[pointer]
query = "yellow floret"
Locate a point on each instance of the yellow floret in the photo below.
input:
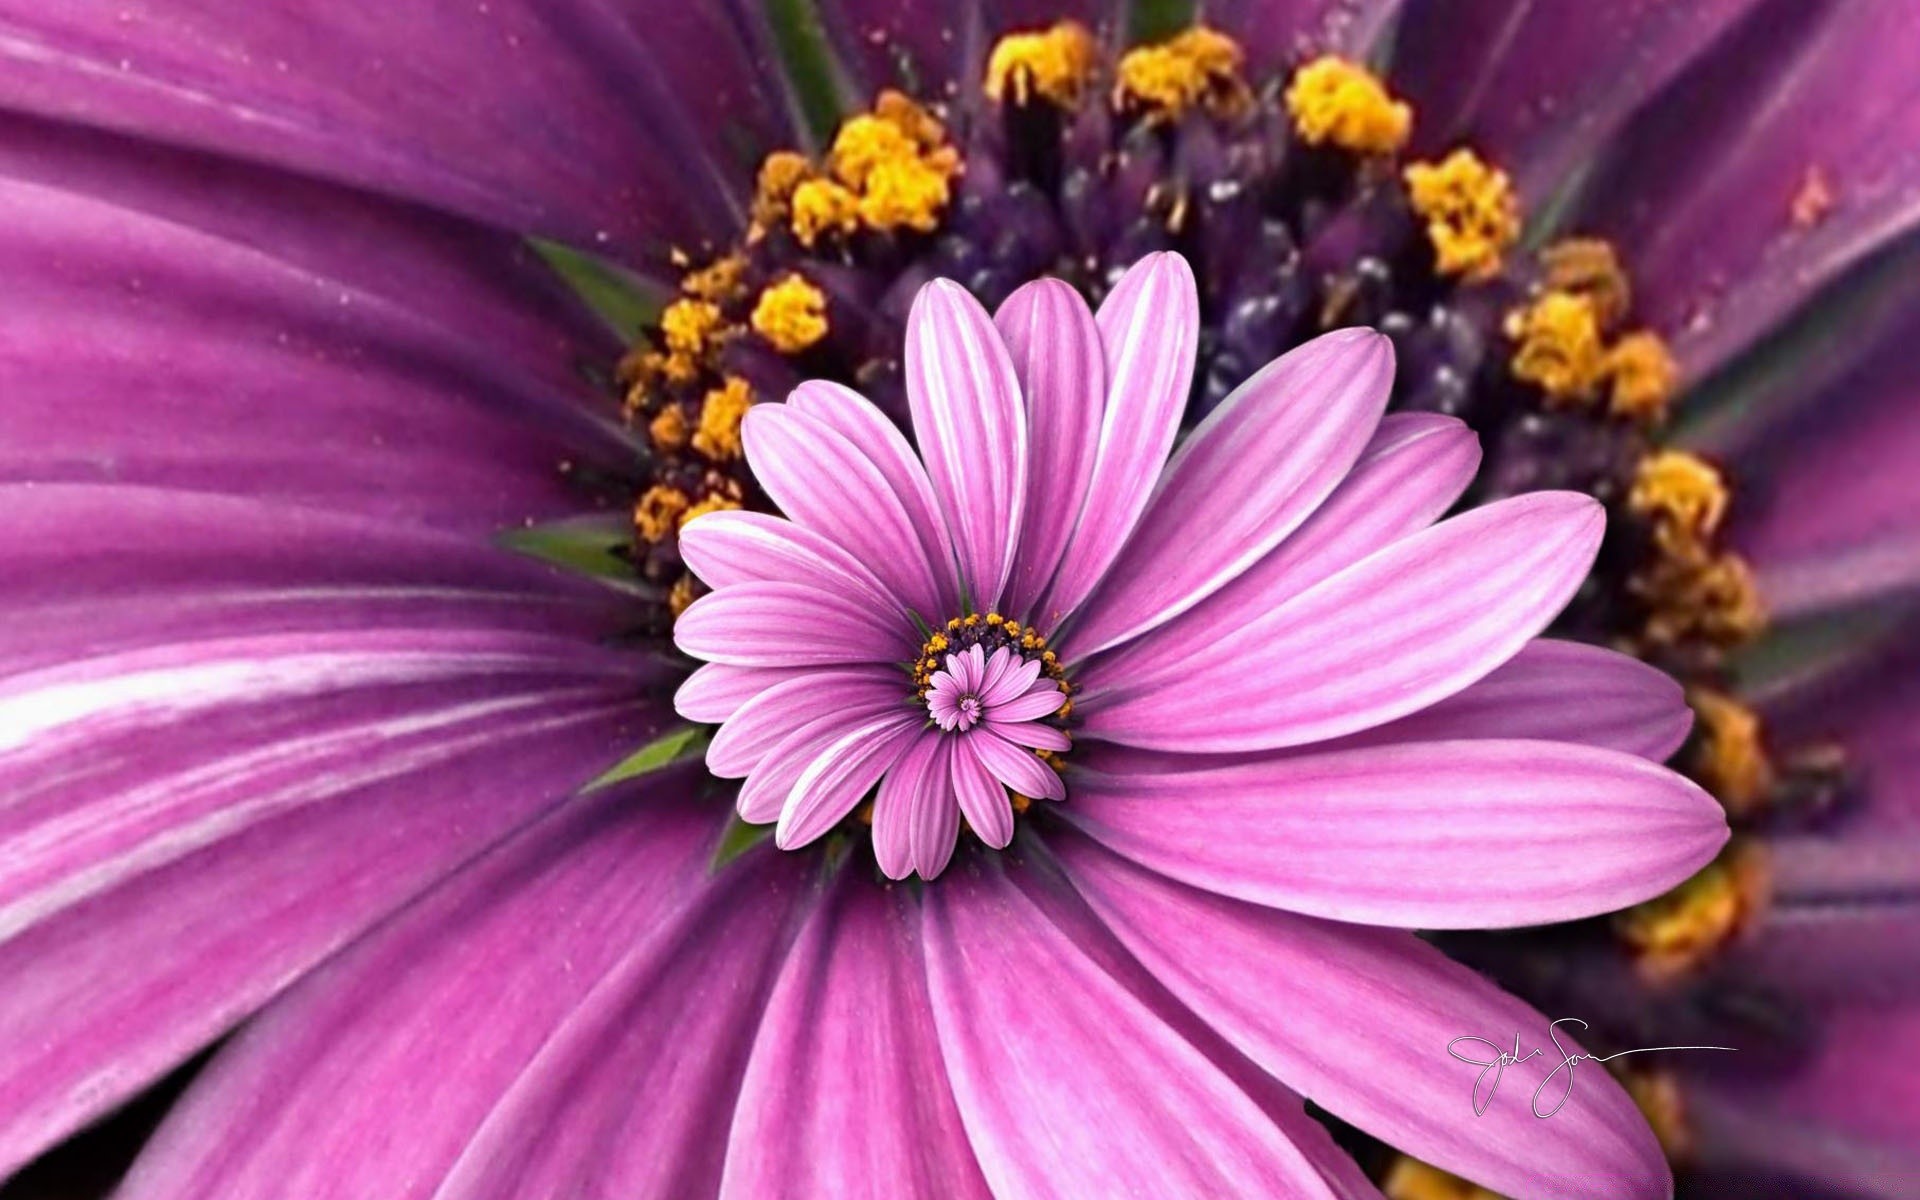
(1336, 103)
(1470, 213)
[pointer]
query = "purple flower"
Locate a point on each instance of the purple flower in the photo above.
(296, 760)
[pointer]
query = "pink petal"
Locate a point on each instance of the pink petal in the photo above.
(1243, 480)
(729, 548)
(1414, 470)
(983, 801)
(1434, 835)
(764, 795)
(841, 776)
(1015, 767)
(845, 1092)
(1013, 684)
(1062, 368)
(825, 482)
(369, 1080)
(1041, 700)
(933, 813)
(854, 417)
(1324, 1006)
(894, 805)
(1062, 1071)
(1032, 734)
(972, 431)
(764, 721)
(1555, 691)
(1404, 628)
(784, 625)
(1149, 327)
(716, 691)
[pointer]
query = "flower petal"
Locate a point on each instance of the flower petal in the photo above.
(972, 430)
(371, 1073)
(842, 775)
(716, 691)
(1149, 326)
(983, 800)
(845, 1092)
(1079, 1078)
(785, 625)
(1414, 470)
(1015, 767)
(896, 807)
(1434, 835)
(1360, 1020)
(727, 548)
(1243, 480)
(825, 482)
(1062, 369)
(1402, 629)
(765, 720)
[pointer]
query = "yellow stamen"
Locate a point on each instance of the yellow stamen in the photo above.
(685, 591)
(863, 143)
(720, 412)
(1053, 64)
(1198, 67)
(710, 504)
(780, 174)
(1589, 267)
(791, 315)
(1559, 348)
(1643, 375)
(1657, 1094)
(912, 119)
(668, 429)
(688, 327)
(1675, 933)
(1731, 758)
(1338, 103)
(1714, 603)
(908, 193)
(718, 280)
(1020, 803)
(822, 207)
(1411, 1179)
(657, 513)
(1470, 212)
(1683, 498)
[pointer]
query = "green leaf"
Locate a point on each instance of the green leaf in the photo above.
(583, 545)
(819, 86)
(1157, 20)
(675, 745)
(616, 295)
(739, 838)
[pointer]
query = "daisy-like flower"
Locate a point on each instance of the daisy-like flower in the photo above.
(298, 762)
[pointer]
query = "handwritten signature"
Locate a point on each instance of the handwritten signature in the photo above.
(1491, 1069)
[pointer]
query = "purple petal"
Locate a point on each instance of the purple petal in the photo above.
(1015, 767)
(1435, 835)
(826, 482)
(715, 692)
(370, 1079)
(1243, 480)
(1402, 629)
(845, 1090)
(785, 625)
(1062, 368)
(727, 548)
(1555, 691)
(1031, 734)
(1062, 1071)
(563, 119)
(1414, 470)
(900, 818)
(983, 801)
(836, 781)
(1322, 1006)
(1042, 700)
(853, 417)
(770, 716)
(764, 795)
(1149, 327)
(972, 430)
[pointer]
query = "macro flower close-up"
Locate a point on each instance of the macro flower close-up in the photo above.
(855, 597)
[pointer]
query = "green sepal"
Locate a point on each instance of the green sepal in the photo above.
(676, 745)
(582, 545)
(622, 299)
(739, 838)
(820, 87)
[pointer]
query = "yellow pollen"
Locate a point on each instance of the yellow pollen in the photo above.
(1559, 348)
(668, 429)
(688, 326)
(1020, 803)
(822, 207)
(657, 513)
(1657, 1094)
(1411, 1179)
(1643, 375)
(1672, 934)
(791, 315)
(1198, 67)
(1337, 103)
(911, 117)
(863, 143)
(908, 193)
(1053, 64)
(712, 503)
(1589, 267)
(1470, 211)
(718, 280)
(780, 174)
(1683, 498)
(1714, 602)
(1731, 757)
(720, 412)
(685, 591)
